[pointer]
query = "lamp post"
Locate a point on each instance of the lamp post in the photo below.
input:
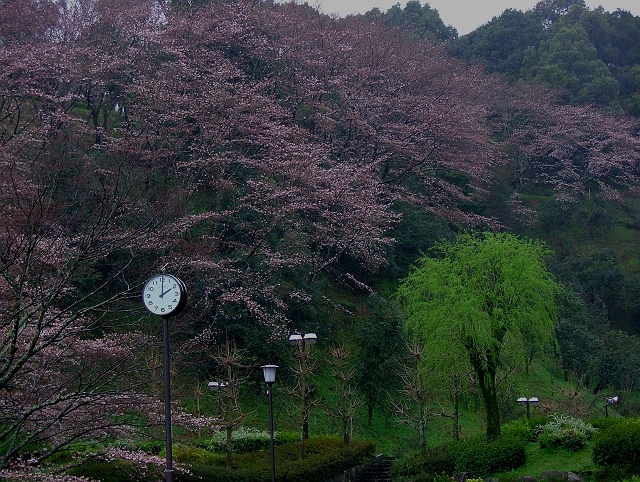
(528, 401)
(303, 342)
(218, 387)
(610, 401)
(269, 372)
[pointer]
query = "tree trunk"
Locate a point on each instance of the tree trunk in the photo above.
(345, 431)
(229, 447)
(456, 415)
(487, 379)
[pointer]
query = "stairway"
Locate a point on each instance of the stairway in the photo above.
(378, 471)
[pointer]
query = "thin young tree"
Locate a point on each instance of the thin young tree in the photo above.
(232, 362)
(411, 407)
(348, 401)
(302, 392)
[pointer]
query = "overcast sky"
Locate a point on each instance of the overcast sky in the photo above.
(464, 15)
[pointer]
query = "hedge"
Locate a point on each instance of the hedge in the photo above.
(618, 446)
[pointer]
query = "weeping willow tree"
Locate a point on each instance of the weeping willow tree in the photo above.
(477, 296)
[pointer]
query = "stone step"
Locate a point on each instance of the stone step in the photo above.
(378, 472)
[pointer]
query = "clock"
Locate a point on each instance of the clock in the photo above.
(164, 295)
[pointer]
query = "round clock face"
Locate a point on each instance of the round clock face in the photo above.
(164, 295)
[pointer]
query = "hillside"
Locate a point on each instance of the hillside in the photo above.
(289, 167)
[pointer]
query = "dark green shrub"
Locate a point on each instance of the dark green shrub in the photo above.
(151, 446)
(524, 429)
(619, 447)
(432, 478)
(120, 471)
(323, 458)
(607, 423)
(609, 474)
(474, 455)
(208, 473)
(245, 440)
(189, 454)
(481, 458)
(434, 460)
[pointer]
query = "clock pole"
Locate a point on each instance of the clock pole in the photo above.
(165, 295)
(167, 399)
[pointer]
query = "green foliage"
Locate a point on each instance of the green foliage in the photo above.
(619, 446)
(324, 457)
(421, 20)
(524, 429)
(120, 471)
(591, 53)
(183, 454)
(565, 432)
(379, 339)
(435, 460)
(479, 289)
(424, 477)
(482, 458)
(474, 455)
(483, 293)
(244, 440)
(502, 43)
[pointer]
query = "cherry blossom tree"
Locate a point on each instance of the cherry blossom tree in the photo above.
(579, 152)
(70, 363)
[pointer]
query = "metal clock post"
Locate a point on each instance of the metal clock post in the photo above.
(165, 295)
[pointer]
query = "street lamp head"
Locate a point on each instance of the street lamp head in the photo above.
(269, 372)
(217, 385)
(522, 400)
(534, 400)
(612, 400)
(310, 338)
(295, 339)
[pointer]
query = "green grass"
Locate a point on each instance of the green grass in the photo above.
(540, 460)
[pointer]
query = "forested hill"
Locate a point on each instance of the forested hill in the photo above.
(289, 167)
(593, 56)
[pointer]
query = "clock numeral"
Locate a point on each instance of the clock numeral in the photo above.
(174, 286)
(150, 302)
(170, 307)
(148, 295)
(150, 288)
(175, 301)
(162, 309)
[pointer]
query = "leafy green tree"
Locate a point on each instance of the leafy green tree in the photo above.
(619, 362)
(422, 21)
(577, 333)
(502, 43)
(550, 12)
(379, 339)
(570, 60)
(482, 294)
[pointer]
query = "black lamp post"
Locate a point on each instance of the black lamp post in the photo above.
(304, 343)
(528, 401)
(269, 372)
(218, 387)
(610, 401)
